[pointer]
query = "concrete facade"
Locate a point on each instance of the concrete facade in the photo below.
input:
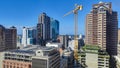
(1, 59)
(69, 56)
(46, 58)
(117, 58)
(2, 38)
(43, 29)
(8, 38)
(11, 38)
(63, 39)
(93, 58)
(102, 27)
(30, 57)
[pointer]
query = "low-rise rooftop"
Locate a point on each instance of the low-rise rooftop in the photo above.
(31, 49)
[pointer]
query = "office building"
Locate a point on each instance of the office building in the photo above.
(2, 38)
(7, 38)
(19, 40)
(102, 27)
(46, 58)
(43, 29)
(119, 36)
(63, 39)
(93, 57)
(31, 57)
(54, 29)
(11, 38)
(29, 36)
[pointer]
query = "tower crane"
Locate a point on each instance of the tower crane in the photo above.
(75, 12)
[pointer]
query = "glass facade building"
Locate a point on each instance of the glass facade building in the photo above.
(54, 29)
(29, 36)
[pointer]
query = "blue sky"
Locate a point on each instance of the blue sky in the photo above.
(25, 12)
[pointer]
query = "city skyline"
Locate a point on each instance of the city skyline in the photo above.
(56, 34)
(25, 13)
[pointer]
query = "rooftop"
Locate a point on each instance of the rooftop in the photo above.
(91, 47)
(31, 49)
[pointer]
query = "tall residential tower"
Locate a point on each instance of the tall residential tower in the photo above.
(43, 29)
(102, 27)
(2, 38)
(8, 37)
(11, 38)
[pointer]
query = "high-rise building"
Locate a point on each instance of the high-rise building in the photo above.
(2, 38)
(102, 27)
(29, 36)
(43, 29)
(11, 38)
(8, 38)
(54, 29)
(119, 36)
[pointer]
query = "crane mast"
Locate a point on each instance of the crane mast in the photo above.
(75, 11)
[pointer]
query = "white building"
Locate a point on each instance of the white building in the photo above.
(58, 45)
(46, 58)
(71, 43)
(19, 40)
(29, 36)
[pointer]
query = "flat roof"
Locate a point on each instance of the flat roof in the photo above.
(31, 49)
